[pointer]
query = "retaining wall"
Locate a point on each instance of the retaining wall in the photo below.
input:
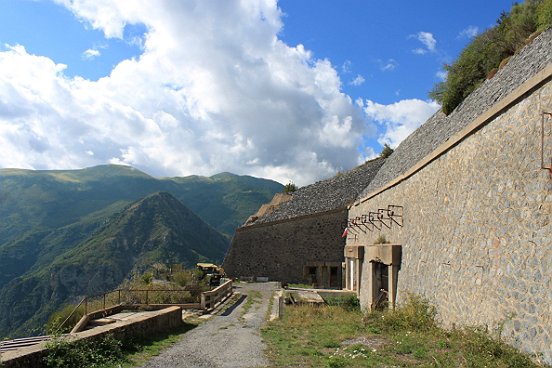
(477, 225)
(281, 249)
(154, 323)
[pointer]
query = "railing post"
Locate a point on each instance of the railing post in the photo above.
(86, 305)
(104, 301)
(119, 296)
(203, 301)
(147, 297)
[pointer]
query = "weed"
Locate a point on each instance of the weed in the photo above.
(252, 297)
(351, 302)
(381, 240)
(83, 353)
(334, 336)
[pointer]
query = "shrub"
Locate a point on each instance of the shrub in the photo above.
(53, 326)
(416, 314)
(183, 278)
(83, 353)
(544, 15)
(487, 50)
(381, 240)
(290, 188)
(386, 151)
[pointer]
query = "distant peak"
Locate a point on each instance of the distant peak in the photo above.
(224, 175)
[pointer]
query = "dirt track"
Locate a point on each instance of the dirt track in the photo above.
(231, 339)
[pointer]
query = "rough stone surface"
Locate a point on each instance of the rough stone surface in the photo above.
(439, 128)
(477, 226)
(281, 250)
(300, 232)
(336, 192)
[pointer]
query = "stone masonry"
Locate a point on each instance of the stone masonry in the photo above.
(299, 240)
(476, 231)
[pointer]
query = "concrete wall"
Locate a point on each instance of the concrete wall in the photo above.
(477, 227)
(280, 250)
(147, 326)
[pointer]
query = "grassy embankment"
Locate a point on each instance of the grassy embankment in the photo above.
(338, 336)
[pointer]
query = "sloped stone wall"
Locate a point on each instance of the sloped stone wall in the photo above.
(280, 250)
(477, 229)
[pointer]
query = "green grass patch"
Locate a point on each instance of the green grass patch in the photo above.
(337, 336)
(253, 297)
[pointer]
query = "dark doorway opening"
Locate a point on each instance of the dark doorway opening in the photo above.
(381, 280)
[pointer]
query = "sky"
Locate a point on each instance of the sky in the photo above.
(291, 90)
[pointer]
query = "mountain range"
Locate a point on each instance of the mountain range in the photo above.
(65, 234)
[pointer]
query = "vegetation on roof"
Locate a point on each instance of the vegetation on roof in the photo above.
(491, 50)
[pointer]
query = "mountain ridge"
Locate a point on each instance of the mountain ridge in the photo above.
(157, 228)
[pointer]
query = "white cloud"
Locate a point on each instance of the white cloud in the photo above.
(389, 65)
(213, 90)
(346, 67)
(469, 32)
(91, 54)
(358, 81)
(400, 118)
(427, 39)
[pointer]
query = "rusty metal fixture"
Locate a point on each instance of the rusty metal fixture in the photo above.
(543, 121)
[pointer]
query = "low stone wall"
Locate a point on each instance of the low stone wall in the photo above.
(476, 229)
(154, 323)
(281, 250)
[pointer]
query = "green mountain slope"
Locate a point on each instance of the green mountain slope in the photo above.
(156, 228)
(42, 200)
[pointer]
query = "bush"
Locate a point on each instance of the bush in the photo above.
(83, 353)
(544, 15)
(290, 188)
(386, 151)
(416, 314)
(487, 50)
(53, 326)
(349, 303)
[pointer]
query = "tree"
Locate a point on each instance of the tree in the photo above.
(290, 188)
(386, 151)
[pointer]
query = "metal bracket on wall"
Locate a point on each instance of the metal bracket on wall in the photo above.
(546, 144)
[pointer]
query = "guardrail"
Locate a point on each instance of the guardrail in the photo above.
(210, 299)
(146, 297)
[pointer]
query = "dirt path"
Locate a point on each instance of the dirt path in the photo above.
(231, 339)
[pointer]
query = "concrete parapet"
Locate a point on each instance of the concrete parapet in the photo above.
(143, 325)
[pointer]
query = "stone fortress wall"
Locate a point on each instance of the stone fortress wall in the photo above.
(284, 250)
(476, 230)
(298, 240)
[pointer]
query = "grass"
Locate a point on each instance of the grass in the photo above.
(334, 336)
(252, 298)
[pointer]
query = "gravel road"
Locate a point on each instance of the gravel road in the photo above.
(231, 339)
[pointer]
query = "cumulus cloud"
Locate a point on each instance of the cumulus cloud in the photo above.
(213, 90)
(469, 32)
(358, 81)
(400, 118)
(91, 54)
(427, 39)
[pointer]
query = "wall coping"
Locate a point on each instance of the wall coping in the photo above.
(532, 83)
(303, 217)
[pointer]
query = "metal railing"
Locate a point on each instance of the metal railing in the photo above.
(187, 298)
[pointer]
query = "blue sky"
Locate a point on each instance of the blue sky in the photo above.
(291, 90)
